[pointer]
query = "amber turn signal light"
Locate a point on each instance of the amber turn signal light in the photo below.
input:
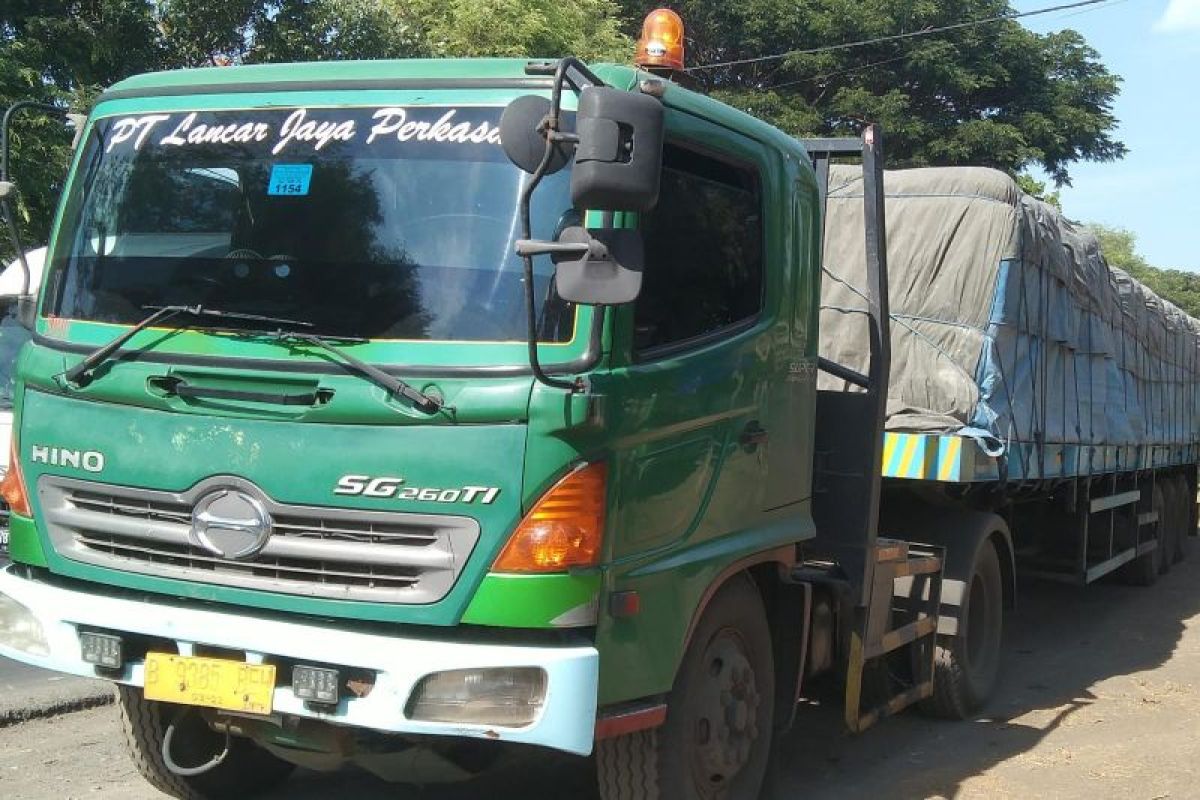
(661, 45)
(12, 488)
(563, 529)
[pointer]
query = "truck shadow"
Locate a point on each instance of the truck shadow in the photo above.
(1061, 644)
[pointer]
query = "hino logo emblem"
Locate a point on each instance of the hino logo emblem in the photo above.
(90, 460)
(231, 524)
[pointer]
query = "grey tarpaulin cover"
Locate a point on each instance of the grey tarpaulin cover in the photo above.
(1005, 317)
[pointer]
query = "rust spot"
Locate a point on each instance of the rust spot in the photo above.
(491, 734)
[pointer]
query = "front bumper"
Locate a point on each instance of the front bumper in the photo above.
(566, 721)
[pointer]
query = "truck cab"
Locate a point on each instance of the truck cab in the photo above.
(456, 549)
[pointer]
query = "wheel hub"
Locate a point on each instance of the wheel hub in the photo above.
(727, 713)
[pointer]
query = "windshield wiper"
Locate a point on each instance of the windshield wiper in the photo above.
(423, 401)
(80, 374)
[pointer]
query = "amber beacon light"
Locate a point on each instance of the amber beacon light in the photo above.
(661, 45)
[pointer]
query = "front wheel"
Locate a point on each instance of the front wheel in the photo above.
(717, 736)
(246, 770)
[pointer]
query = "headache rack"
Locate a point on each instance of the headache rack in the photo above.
(890, 589)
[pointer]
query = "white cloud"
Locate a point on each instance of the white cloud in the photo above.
(1180, 15)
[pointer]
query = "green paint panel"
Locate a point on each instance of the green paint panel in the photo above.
(24, 546)
(529, 601)
(292, 463)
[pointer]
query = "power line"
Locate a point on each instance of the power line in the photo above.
(814, 78)
(898, 36)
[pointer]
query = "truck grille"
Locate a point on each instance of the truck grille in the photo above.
(314, 551)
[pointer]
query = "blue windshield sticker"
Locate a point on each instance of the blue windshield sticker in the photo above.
(290, 179)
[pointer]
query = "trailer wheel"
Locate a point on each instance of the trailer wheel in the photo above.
(1184, 509)
(246, 771)
(967, 664)
(1144, 570)
(717, 736)
(1168, 523)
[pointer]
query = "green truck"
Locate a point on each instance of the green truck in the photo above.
(406, 413)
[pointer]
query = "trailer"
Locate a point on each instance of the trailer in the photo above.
(408, 414)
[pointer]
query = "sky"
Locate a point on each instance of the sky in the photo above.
(1155, 190)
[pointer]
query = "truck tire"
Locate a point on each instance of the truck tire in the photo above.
(1144, 570)
(717, 735)
(967, 664)
(1185, 508)
(1168, 523)
(246, 771)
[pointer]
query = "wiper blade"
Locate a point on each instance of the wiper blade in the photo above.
(423, 401)
(80, 374)
(201, 311)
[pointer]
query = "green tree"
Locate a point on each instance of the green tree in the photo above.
(66, 51)
(1119, 246)
(60, 52)
(994, 95)
(1032, 186)
(590, 29)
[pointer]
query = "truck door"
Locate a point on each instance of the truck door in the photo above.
(694, 461)
(791, 396)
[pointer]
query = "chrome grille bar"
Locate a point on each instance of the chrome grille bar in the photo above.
(313, 551)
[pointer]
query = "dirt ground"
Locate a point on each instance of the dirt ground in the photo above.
(1100, 699)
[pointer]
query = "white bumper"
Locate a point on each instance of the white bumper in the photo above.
(566, 722)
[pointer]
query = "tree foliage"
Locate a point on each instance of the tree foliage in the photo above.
(66, 51)
(994, 95)
(1032, 186)
(1119, 246)
(589, 29)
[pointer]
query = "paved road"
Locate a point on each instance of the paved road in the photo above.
(1100, 699)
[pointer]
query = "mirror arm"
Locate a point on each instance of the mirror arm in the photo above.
(551, 131)
(537, 247)
(8, 116)
(9, 219)
(15, 235)
(561, 66)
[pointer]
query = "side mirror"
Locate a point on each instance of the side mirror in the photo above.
(523, 136)
(619, 156)
(593, 267)
(608, 273)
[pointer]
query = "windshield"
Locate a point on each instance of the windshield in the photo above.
(378, 223)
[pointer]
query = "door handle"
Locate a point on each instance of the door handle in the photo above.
(753, 434)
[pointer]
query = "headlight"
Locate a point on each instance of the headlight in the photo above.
(508, 697)
(20, 629)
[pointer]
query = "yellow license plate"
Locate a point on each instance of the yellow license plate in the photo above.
(210, 682)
